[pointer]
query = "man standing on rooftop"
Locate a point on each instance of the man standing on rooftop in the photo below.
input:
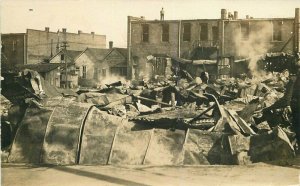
(162, 14)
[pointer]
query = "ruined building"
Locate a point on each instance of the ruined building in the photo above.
(221, 41)
(36, 46)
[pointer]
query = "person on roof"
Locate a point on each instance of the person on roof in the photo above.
(162, 14)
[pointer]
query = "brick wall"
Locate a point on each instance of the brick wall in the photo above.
(155, 44)
(39, 43)
(13, 49)
(186, 47)
(260, 39)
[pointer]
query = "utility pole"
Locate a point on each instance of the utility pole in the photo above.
(51, 48)
(64, 46)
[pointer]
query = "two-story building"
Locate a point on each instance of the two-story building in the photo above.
(36, 46)
(223, 40)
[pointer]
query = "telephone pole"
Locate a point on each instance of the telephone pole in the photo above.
(64, 46)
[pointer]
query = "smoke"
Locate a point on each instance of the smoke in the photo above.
(111, 79)
(256, 45)
(101, 81)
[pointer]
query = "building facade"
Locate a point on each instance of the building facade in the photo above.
(94, 66)
(115, 62)
(51, 72)
(87, 66)
(36, 46)
(67, 59)
(13, 49)
(225, 40)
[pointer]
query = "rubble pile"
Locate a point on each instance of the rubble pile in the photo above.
(179, 120)
(230, 107)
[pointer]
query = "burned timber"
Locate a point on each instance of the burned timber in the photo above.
(200, 106)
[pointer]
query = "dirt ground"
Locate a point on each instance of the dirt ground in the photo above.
(285, 172)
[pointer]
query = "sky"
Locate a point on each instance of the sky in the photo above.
(109, 17)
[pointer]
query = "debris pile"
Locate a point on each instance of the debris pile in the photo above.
(253, 116)
(176, 120)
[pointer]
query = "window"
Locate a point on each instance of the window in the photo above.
(62, 57)
(204, 32)
(145, 36)
(103, 72)
(165, 33)
(277, 28)
(95, 73)
(215, 33)
(77, 70)
(159, 66)
(99, 72)
(84, 72)
(52, 79)
(245, 30)
(186, 32)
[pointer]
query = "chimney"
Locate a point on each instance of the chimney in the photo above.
(64, 30)
(235, 14)
(247, 16)
(93, 33)
(47, 29)
(111, 44)
(79, 32)
(223, 14)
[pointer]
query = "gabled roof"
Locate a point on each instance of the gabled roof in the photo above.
(98, 54)
(122, 51)
(72, 54)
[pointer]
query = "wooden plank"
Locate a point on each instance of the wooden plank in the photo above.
(241, 123)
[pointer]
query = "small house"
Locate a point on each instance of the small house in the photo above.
(96, 65)
(51, 72)
(67, 57)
